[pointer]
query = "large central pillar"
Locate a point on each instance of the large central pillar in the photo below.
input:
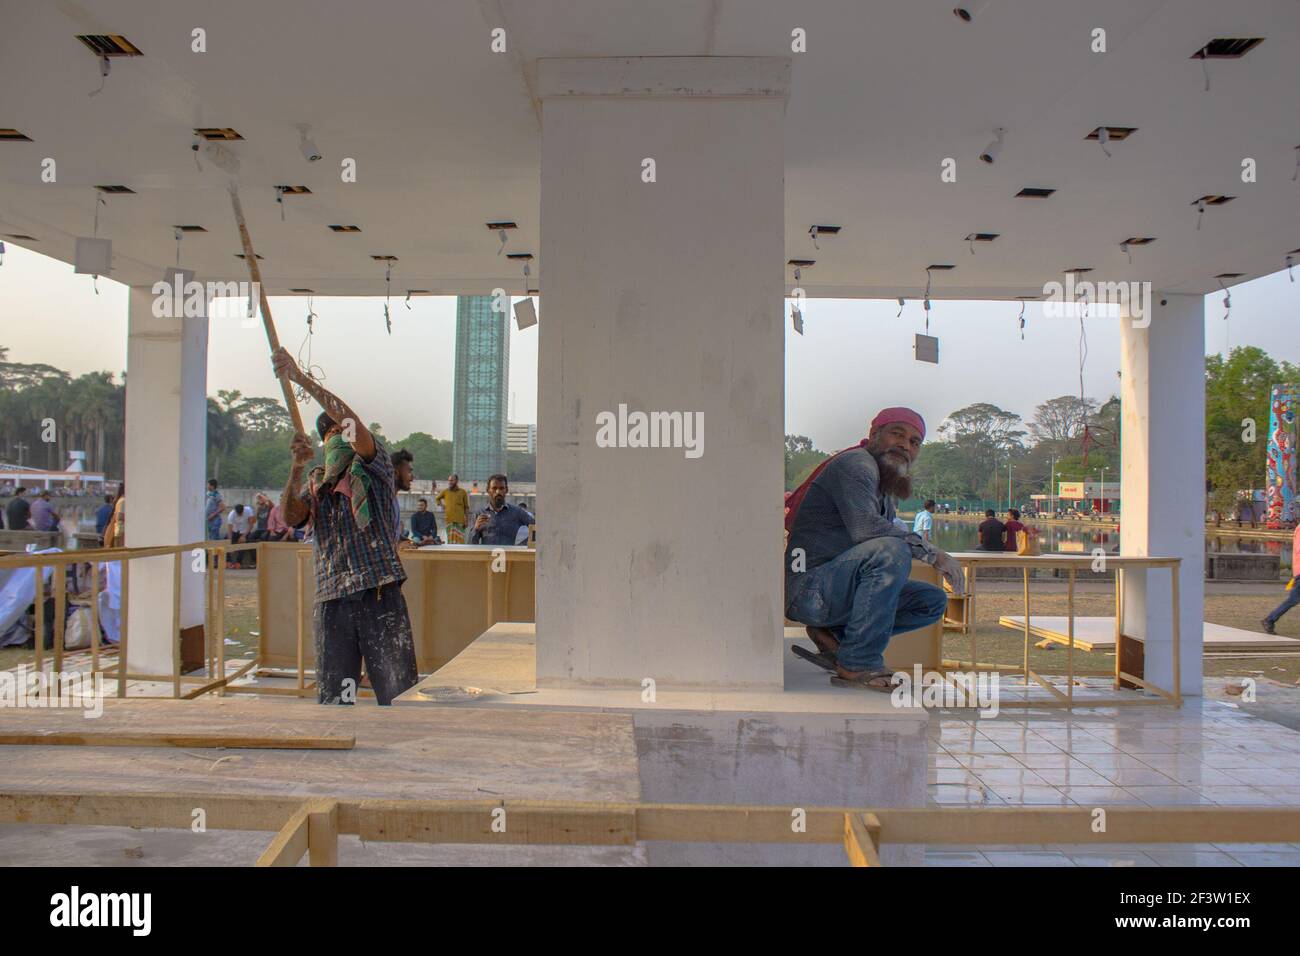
(1162, 490)
(662, 270)
(166, 453)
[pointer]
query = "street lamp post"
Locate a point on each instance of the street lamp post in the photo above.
(1103, 491)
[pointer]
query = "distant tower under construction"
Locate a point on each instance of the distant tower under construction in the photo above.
(479, 412)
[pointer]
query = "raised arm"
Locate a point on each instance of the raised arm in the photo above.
(356, 434)
(293, 510)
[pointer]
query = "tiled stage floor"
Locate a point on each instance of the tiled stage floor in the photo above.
(1207, 754)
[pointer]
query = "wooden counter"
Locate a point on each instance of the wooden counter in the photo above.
(454, 593)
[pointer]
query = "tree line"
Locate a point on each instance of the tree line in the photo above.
(248, 436)
(978, 446)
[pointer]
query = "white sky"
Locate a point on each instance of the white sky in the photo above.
(855, 356)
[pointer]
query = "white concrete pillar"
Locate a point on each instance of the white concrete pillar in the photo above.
(662, 296)
(166, 454)
(1162, 388)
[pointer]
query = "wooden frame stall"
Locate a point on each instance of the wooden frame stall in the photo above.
(450, 601)
(312, 825)
(1127, 649)
(453, 594)
(212, 554)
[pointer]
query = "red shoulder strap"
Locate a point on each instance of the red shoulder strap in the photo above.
(794, 499)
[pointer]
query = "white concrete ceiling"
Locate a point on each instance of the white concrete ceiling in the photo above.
(445, 134)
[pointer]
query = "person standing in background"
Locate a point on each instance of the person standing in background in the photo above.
(1292, 589)
(102, 516)
(212, 511)
(923, 525)
(455, 503)
(115, 530)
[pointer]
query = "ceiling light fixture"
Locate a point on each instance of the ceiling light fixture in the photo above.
(969, 11)
(310, 151)
(991, 151)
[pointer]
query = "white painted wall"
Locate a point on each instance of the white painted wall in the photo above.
(166, 452)
(665, 296)
(1162, 387)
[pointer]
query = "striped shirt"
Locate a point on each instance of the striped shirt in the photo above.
(349, 559)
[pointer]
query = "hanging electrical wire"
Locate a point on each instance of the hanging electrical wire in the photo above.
(99, 201)
(1022, 321)
(927, 301)
(314, 372)
(388, 292)
(901, 303)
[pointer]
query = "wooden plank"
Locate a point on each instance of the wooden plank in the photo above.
(60, 624)
(220, 636)
(124, 617)
(860, 842)
(1056, 692)
(302, 622)
(323, 833)
(39, 643)
(159, 739)
(94, 616)
(163, 810)
(1177, 636)
(288, 846)
(176, 625)
(542, 822)
(494, 822)
(220, 682)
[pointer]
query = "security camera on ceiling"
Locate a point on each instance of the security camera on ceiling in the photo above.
(990, 153)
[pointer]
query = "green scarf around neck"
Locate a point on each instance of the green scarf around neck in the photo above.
(340, 459)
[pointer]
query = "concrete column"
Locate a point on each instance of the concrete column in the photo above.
(661, 296)
(1162, 489)
(166, 454)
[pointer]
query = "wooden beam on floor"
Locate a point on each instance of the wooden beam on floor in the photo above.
(323, 833)
(289, 845)
(219, 683)
(161, 810)
(462, 821)
(116, 738)
(862, 839)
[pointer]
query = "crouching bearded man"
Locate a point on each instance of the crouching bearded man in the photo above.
(847, 560)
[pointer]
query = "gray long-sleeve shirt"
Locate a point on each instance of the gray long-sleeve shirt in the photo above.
(843, 507)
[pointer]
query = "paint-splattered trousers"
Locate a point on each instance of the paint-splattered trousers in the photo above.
(372, 626)
(864, 598)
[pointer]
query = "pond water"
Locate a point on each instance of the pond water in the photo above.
(962, 536)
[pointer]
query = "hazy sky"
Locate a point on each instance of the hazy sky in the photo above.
(855, 355)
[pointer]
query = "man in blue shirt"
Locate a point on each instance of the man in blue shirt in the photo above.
(104, 512)
(498, 524)
(212, 511)
(923, 525)
(847, 562)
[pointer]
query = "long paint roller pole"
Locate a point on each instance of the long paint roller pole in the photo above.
(267, 322)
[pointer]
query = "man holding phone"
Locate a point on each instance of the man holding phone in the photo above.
(499, 523)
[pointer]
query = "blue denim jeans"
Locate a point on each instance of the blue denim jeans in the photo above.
(864, 598)
(1291, 600)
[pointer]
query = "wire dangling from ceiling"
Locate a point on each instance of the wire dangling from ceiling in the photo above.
(388, 292)
(1022, 321)
(927, 301)
(313, 372)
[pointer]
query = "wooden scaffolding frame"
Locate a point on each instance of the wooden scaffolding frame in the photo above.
(312, 825)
